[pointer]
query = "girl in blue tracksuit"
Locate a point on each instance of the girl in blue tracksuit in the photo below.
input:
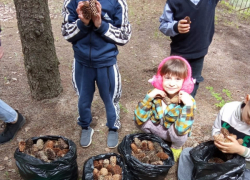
(95, 49)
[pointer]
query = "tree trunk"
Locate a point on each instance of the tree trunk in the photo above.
(40, 60)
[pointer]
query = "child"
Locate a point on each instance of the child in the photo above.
(168, 110)
(190, 41)
(95, 43)
(234, 116)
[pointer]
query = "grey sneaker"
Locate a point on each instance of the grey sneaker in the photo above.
(112, 139)
(86, 137)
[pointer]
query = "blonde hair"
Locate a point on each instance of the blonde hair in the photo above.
(175, 67)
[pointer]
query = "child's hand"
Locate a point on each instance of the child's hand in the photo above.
(157, 93)
(183, 27)
(231, 147)
(185, 98)
(80, 14)
(97, 19)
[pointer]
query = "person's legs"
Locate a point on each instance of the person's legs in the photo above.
(177, 141)
(156, 129)
(246, 174)
(185, 166)
(84, 83)
(196, 66)
(109, 85)
(7, 113)
(14, 121)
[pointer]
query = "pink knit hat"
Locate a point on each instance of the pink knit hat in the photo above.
(188, 84)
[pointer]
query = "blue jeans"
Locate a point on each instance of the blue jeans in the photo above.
(185, 167)
(7, 113)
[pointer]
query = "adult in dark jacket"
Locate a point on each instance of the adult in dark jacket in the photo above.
(95, 43)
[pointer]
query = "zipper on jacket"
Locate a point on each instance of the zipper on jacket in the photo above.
(90, 45)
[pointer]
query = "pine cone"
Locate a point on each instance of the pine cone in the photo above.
(158, 147)
(162, 155)
(150, 146)
(50, 153)
(157, 163)
(215, 160)
(93, 7)
(113, 160)
(188, 19)
(62, 144)
(29, 143)
(86, 10)
(34, 150)
(144, 145)
(95, 174)
(117, 177)
(240, 141)
(134, 148)
(49, 144)
(40, 144)
(104, 171)
(62, 153)
(224, 131)
(41, 155)
(97, 165)
(105, 163)
(22, 146)
(219, 137)
(233, 136)
(137, 142)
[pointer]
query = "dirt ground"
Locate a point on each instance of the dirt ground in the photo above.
(226, 66)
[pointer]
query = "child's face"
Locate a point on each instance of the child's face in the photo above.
(246, 113)
(172, 84)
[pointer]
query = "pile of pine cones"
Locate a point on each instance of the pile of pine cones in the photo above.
(47, 151)
(89, 9)
(107, 169)
(148, 152)
(222, 137)
(215, 160)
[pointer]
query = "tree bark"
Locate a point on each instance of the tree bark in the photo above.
(40, 60)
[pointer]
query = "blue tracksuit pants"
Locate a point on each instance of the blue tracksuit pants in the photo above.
(108, 81)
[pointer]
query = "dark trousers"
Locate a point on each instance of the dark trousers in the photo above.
(196, 66)
(108, 81)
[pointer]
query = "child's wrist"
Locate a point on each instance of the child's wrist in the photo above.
(242, 151)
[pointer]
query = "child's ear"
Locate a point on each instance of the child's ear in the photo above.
(247, 98)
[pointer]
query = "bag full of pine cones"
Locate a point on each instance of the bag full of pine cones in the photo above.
(147, 156)
(47, 157)
(106, 167)
(211, 163)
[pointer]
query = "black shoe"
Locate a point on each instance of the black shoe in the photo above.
(11, 129)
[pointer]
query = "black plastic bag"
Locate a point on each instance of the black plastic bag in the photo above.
(230, 169)
(144, 171)
(89, 166)
(64, 168)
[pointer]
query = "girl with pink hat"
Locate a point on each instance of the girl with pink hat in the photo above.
(168, 110)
